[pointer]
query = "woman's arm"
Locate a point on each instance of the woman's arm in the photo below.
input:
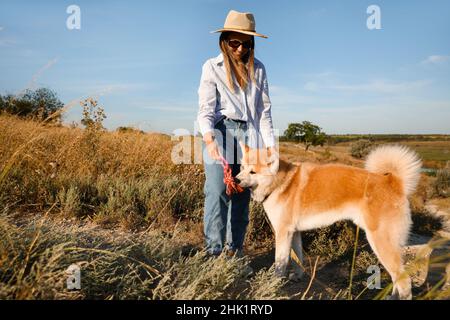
(207, 102)
(265, 122)
(207, 105)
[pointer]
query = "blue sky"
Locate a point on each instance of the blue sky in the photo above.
(143, 59)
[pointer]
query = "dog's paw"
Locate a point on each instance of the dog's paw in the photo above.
(280, 271)
(295, 276)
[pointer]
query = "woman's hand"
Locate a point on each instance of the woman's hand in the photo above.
(213, 150)
(211, 146)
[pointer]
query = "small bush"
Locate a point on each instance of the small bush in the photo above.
(129, 130)
(266, 286)
(441, 185)
(259, 229)
(70, 201)
(361, 148)
(330, 242)
(365, 259)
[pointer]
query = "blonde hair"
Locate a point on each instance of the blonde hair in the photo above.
(240, 68)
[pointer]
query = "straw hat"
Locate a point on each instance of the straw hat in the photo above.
(240, 22)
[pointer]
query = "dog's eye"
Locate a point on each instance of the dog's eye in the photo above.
(252, 172)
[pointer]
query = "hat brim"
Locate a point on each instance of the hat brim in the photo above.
(241, 31)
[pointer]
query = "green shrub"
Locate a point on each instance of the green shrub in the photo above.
(441, 185)
(259, 229)
(361, 148)
(70, 201)
(330, 242)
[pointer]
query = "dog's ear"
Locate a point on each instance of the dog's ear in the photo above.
(245, 148)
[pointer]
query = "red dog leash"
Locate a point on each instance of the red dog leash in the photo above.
(228, 179)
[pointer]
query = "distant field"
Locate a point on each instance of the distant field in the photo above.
(389, 137)
(432, 150)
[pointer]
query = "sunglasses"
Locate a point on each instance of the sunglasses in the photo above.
(236, 44)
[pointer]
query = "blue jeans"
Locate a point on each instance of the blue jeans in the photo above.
(226, 217)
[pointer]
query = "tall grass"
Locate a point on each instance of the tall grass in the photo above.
(35, 256)
(125, 178)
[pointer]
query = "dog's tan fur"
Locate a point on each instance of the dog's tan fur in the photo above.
(307, 196)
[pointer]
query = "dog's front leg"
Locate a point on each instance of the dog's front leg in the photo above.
(283, 241)
(297, 266)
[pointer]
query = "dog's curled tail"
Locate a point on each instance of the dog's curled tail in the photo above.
(398, 160)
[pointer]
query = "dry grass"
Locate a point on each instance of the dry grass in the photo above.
(125, 178)
(35, 255)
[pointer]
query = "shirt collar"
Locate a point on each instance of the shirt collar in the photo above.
(219, 58)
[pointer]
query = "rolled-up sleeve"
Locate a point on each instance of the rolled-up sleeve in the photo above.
(265, 122)
(207, 99)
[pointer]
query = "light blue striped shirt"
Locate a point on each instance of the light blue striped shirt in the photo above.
(251, 105)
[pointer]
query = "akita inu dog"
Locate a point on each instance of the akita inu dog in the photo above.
(307, 196)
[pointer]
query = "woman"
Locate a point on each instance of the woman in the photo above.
(234, 106)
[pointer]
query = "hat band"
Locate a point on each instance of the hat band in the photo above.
(238, 28)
